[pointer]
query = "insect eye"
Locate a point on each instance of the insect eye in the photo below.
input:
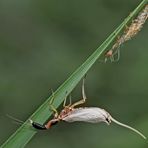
(70, 109)
(107, 119)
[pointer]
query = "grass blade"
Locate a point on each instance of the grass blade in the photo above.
(24, 134)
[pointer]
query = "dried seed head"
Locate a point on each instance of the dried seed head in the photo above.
(134, 28)
(136, 24)
(130, 31)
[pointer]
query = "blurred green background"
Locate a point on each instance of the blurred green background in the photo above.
(43, 42)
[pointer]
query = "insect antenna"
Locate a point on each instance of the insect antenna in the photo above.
(15, 120)
(127, 126)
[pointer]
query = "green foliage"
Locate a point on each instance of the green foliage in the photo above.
(24, 134)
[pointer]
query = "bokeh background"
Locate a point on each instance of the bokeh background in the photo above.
(43, 42)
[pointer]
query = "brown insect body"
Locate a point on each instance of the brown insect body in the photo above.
(65, 112)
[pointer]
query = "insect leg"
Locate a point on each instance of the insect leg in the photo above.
(64, 103)
(83, 95)
(52, 108)
(117, 55)
(112, 58)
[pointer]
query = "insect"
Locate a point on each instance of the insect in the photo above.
(72, 113)
(112, 55)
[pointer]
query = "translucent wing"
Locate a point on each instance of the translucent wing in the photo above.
(88, 114)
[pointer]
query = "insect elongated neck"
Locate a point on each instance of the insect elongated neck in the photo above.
(127, 126)
(51, 123)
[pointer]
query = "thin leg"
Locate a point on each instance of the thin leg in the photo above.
(52, 98)
(64, 103)
(70, 102)
(52, 108)
(117, 54)
(112, 58)
(65, 99)
(104, 60)
(83, 95)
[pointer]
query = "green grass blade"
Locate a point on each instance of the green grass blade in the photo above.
(24, 134)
